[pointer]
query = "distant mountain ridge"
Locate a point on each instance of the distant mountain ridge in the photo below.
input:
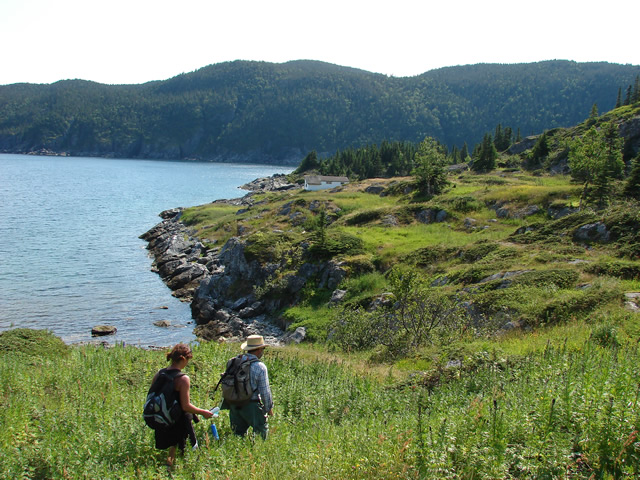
(275, 113)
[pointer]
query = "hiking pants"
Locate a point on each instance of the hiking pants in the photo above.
(250, 415)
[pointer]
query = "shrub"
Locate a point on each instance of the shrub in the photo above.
(477, 251)
(465, 204)
(366, 216)
(555, 231)
(475, 273)
(584, 302)
(560, 278)
(624, 226)
(605, 336)
(430, 255)
(355, 329)
(359, 265)
(620, 269)
(268, 247)
(336, 243)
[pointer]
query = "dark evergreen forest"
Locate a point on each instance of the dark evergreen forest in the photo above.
(265, 112)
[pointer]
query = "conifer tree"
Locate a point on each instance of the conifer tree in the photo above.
(627, 99)
(310, 162)
(595, 160)
(455, 155)
(464, 153)
(632, 185)
(497, 138)
(539, 153)
(486, 155)
(635, 96)
(619, 99)
(507, 137)
(430, 173)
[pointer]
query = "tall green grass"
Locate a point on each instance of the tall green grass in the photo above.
(562, 412)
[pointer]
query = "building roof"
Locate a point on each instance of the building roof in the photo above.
(318, 179)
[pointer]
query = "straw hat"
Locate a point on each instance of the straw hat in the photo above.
(253, 343)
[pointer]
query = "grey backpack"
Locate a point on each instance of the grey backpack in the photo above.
(236, 381)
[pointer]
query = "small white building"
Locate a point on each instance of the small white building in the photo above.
(321, 182)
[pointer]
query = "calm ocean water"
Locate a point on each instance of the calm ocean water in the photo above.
(70, 256)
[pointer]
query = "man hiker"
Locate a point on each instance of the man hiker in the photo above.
(254, 412)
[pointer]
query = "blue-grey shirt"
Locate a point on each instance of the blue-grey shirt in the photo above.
(260, 382)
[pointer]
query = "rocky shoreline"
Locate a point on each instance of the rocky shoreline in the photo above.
(204, 276)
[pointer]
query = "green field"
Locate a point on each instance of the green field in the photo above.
(521, 407)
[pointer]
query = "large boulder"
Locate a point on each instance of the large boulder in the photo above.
(431, 215)
(337, 296)
(592, 232)
(295, 337)
(103, 330)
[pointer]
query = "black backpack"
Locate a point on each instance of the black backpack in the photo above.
(236, 381)
(162, 407)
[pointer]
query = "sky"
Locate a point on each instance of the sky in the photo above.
(136, 41)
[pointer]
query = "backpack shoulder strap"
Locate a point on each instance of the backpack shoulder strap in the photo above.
(165, 375)
(173, 374)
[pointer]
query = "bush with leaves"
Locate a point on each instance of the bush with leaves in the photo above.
(335, 243)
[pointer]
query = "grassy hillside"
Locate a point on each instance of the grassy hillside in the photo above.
(560, 404)
(498, 251)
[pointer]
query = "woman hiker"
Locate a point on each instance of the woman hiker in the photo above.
(176, 435)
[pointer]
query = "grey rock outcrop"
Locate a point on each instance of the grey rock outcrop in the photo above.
(277, 182)
(337, 296)
(509, 211)
(296, 336)
(179, 259)
(431, 215)
(592, 232)
(374, 189)
(559, 211)
(524, 145)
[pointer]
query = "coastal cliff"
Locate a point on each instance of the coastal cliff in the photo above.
(218, 281)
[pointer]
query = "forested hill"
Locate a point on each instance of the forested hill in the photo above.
(265, 112)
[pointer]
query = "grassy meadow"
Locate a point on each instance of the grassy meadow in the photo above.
(541, 407)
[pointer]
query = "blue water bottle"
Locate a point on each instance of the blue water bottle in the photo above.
(214, 431)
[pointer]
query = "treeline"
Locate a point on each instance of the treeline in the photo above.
(389, 159)
(393, 158)
(265, 112)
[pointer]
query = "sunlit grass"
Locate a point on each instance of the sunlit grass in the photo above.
(532, 194)
(209, 214)
(516, 407)
(402, 240)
